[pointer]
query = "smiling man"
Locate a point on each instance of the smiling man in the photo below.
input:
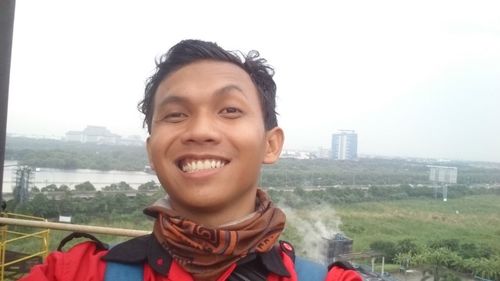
(208, 141)
(211, 118)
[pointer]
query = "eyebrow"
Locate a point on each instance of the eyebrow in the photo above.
(228, 89)
(224, 91)
(172, 99)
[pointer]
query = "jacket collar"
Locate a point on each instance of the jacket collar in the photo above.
(148, 249)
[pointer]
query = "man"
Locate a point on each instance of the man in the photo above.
(212, 124)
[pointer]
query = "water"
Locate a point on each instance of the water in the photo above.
(100, 179)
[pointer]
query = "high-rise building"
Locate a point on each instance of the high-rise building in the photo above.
(345, 145)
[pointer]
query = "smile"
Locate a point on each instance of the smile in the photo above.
(196, 165)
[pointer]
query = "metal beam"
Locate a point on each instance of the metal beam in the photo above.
(7, 8)
(75, 227)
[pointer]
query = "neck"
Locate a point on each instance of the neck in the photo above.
(216, 217)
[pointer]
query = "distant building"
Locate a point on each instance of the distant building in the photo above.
(345, 145)
(323, 153)
(76, 136)
(132, 140)
(295, 154)
(101, 135)
(93, 134)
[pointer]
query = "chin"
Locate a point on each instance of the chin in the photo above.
(199, 202)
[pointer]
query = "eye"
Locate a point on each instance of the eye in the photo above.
(175, 117)
(231, 112)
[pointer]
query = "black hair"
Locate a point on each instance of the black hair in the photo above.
(189, 51)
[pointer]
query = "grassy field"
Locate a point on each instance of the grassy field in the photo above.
(473, 219)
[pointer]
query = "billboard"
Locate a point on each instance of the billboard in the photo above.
(443, 174)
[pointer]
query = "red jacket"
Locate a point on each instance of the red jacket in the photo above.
(86, 262)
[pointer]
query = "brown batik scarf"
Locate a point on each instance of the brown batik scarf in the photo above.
(207, 252)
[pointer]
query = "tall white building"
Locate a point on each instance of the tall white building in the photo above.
(345, 145)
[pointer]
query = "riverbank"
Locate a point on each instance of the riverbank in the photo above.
(45, 176)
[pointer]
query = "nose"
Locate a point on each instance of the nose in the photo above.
(201, 129)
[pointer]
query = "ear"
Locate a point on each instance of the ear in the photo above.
(274, 143)
(148, 147)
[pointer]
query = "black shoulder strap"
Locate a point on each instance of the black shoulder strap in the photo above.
(255, 270)
(100, 245)
(250, 271)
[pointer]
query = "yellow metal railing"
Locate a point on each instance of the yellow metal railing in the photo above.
(10, 237)
(14, 259)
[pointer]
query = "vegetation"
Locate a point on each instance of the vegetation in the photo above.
(367, 171)
(410, 229)
(74, 155)
(414, 230)
(442, 237)
(384, 205)
(286, 173)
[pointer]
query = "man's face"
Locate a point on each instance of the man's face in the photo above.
(208, 139)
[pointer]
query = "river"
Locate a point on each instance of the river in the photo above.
(100, 179)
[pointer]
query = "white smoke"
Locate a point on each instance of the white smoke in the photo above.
(314, 225)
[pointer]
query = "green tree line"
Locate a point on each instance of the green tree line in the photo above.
(301, 198)
(286, 173)
(368, 171)
(102, 206)
(442, 258)
(44, 206)
(72, 155)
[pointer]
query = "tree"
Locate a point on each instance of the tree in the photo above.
(120, 203)
(49, 188)
(67, 205)
(39, 206)
(406, 246)
(386, 248)
(450, 244)
(404, 260)
(121, 186)
(85, 186)
(111, 187)
(487, 268)
(438, 261)
(148, 186)
(63, 187)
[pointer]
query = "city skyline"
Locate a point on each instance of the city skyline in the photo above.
(411, 88)
(294, 152)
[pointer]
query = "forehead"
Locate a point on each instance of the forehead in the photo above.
(206, 76)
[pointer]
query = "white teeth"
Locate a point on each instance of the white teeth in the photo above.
(198, 165)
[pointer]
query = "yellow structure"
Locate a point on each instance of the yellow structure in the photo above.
(21, 248)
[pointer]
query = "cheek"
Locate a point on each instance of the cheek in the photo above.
(250, 131)
(253, 144)
(159, 147)
(154, 148)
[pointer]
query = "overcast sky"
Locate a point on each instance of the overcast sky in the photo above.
(419, 78)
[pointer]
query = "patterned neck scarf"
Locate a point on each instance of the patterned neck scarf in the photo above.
(207, 252)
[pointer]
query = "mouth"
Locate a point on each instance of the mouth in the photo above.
(192, 165)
